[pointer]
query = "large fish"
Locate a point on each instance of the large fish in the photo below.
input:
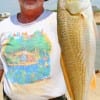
(76, 36)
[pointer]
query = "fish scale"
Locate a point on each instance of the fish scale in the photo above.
(75, 40)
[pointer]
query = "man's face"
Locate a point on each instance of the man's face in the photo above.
(30, 4)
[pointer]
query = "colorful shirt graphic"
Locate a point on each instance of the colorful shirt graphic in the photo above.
(27, 57)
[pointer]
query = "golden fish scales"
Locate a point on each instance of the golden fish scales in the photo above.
(75, 42)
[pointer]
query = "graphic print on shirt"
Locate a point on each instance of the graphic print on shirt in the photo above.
(27, 57)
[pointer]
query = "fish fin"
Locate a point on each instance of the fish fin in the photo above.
(66, 79)
(93, 83)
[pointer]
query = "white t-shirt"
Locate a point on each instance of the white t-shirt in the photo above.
(30, 54)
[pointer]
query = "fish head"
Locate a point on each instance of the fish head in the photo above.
(74, 6)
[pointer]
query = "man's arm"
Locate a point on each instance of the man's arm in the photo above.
(1, 73)
(1, 70)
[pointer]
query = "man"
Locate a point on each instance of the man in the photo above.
(30, 54)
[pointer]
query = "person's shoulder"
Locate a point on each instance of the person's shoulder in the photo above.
(47, 16)
(50, 14)
(51, 18)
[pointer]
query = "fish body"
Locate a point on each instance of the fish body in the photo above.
(77, 40)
